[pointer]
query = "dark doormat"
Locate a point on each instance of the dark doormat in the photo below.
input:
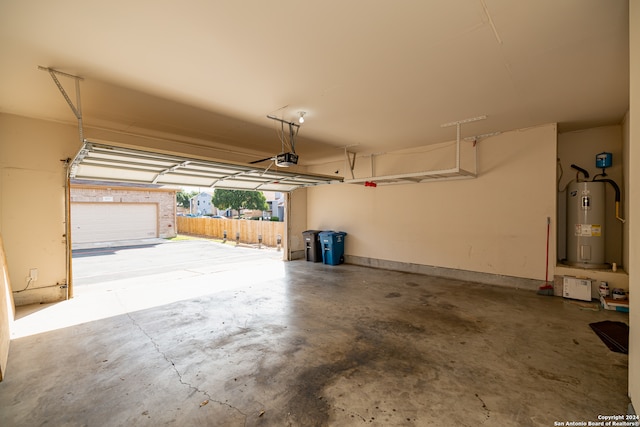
(614, 334)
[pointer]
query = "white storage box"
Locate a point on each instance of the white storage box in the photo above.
(575, 288)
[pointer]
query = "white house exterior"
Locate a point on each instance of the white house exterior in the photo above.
(200, 204)
(275, 201)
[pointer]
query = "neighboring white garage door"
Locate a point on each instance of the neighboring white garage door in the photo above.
(107, 222)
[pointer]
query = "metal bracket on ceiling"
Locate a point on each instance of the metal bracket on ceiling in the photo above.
(76, 109)
(476, 138)
(293, 132)
(350, 158)
(458, 124)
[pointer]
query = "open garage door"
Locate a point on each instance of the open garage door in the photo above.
(103, 161)
(98, 161)
(108, 222)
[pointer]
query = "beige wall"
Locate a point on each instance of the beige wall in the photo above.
(493, 224)
(580, 148)
(6, 312)
(296, 217)
(634, 205)
(34, 233)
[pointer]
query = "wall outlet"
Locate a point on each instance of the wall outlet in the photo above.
(33, 274)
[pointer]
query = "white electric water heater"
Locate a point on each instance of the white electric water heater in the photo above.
(585, 224)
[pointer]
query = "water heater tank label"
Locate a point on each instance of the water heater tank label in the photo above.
(588, 230)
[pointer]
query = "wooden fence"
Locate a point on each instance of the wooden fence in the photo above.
(249, 230)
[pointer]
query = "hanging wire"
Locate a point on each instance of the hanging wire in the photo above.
(282, 137)
(287, 141)
(559, 165)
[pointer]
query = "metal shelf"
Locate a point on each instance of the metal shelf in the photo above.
(454, 173)
(416, 177)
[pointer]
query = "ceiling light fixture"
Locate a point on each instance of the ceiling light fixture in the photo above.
(301, 116)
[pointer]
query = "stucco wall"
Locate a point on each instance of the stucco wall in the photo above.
(493, 224)
(32, 215)
(6, 312)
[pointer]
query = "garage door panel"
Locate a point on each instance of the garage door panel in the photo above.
(193, 180)
(113, 173)
(106, 222)
(103, 162)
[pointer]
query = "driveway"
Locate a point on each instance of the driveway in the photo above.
(91, 266)
(114, 281)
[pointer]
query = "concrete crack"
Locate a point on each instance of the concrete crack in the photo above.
(180, 377)
(484, 406)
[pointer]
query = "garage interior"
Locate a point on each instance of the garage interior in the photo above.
(436, 135)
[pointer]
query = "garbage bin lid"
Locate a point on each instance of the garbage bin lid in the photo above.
(311, 232)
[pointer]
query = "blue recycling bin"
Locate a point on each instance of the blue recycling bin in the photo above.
(332, 244)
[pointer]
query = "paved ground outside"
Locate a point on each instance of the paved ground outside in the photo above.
(111, 281)
(106, 264)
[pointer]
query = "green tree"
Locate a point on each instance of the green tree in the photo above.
(239, 199)
(182, 198)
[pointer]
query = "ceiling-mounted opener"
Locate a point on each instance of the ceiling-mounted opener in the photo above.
(287, 156)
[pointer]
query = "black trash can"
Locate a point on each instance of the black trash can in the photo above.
(312, 250)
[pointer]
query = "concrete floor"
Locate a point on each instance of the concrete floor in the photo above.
(301, 344)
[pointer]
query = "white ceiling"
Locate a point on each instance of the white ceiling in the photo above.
(372, 74)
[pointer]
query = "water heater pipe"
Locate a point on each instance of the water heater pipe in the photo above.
(579, 169)
(617, 190)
